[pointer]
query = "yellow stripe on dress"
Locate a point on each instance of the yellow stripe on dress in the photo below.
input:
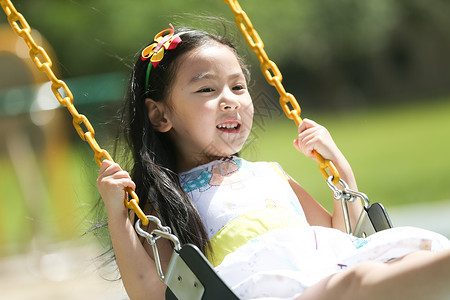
(279, 171)
(249, 226)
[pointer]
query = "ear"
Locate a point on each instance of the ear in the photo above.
(157, 115)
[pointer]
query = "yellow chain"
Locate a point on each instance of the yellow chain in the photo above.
(273, 75)
(44, 63)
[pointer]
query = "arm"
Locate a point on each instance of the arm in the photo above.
(316, 214)
(135, 262)
(314, 137)
(425, 274)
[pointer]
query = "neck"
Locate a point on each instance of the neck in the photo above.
(188, 163)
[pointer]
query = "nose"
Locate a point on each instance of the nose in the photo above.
(229, 102)
(226, 106)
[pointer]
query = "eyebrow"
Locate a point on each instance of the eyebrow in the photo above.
(200, 76)
(208, 75)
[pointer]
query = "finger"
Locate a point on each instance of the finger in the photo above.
(312, 131)
(306, 144)
(116, 183)
(309, 148)
(121, 175)
(295, 143)
(105, 164)
(112, 169)
(127, 183)
(109, 172)
(304, 150)
(131, 185)
(306, 124)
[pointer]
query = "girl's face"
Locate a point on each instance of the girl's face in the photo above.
(210, 109)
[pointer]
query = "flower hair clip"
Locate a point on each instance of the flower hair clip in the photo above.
(163, 41)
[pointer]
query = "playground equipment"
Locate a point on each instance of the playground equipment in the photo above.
(190, 275)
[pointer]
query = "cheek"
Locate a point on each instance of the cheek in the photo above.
(251, 110)
(248, 111)
(198, 109)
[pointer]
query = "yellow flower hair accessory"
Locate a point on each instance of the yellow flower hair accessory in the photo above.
(163, 41)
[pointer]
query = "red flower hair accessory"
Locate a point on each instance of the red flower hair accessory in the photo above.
(164, 40)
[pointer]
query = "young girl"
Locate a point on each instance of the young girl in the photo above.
(188, 114)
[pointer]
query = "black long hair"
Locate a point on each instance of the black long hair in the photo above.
(154, 156)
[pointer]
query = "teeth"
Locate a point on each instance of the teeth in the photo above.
(228, 126)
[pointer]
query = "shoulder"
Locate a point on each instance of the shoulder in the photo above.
(265, 167)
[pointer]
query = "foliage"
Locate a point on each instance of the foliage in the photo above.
(348, 51)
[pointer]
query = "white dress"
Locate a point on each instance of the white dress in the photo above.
(262, 245)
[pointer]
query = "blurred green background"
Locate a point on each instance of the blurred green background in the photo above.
(375, 73)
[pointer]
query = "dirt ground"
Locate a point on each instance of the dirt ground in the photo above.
(62, 273)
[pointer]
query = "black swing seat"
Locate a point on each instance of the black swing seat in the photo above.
(191, 276)
(373, 218)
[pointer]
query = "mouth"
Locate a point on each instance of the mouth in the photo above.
(229, 126)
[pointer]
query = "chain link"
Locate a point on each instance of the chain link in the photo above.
(44, 63)
(273, 75)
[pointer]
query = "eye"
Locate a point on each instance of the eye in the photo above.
(205, 90)
(238, 87)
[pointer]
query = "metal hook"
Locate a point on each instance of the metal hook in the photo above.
(161, 231)
(340, 194)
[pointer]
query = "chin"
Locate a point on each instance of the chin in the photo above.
(222, 155)
(227, 150)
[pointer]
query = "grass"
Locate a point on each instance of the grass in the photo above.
(399, 155)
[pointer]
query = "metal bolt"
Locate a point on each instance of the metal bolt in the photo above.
(337, 195)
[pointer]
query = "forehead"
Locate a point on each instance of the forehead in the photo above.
(212, 58)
